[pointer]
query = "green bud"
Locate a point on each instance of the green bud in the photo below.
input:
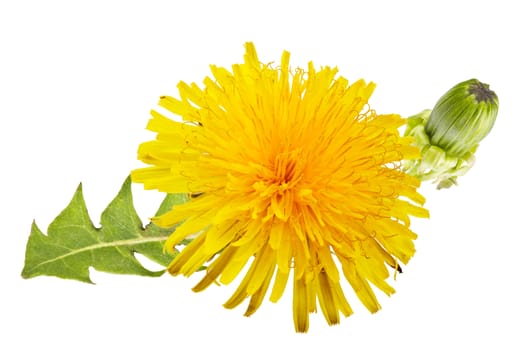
(449, 135)
(462, 117)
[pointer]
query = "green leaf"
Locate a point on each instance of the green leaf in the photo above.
(74, 244)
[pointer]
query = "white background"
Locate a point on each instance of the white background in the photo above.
(77, 81)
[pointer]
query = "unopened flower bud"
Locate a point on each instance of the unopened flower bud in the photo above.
(449, 135)
(462, 117)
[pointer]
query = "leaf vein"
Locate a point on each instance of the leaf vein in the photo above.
(114, 244)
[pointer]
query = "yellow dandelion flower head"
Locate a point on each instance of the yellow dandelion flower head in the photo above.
(293, 172)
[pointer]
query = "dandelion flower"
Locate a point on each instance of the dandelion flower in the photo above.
(294, 175)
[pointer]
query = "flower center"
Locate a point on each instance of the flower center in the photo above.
(287, 170)
(281, 188)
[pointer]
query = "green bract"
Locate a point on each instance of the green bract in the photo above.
(449, 135)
